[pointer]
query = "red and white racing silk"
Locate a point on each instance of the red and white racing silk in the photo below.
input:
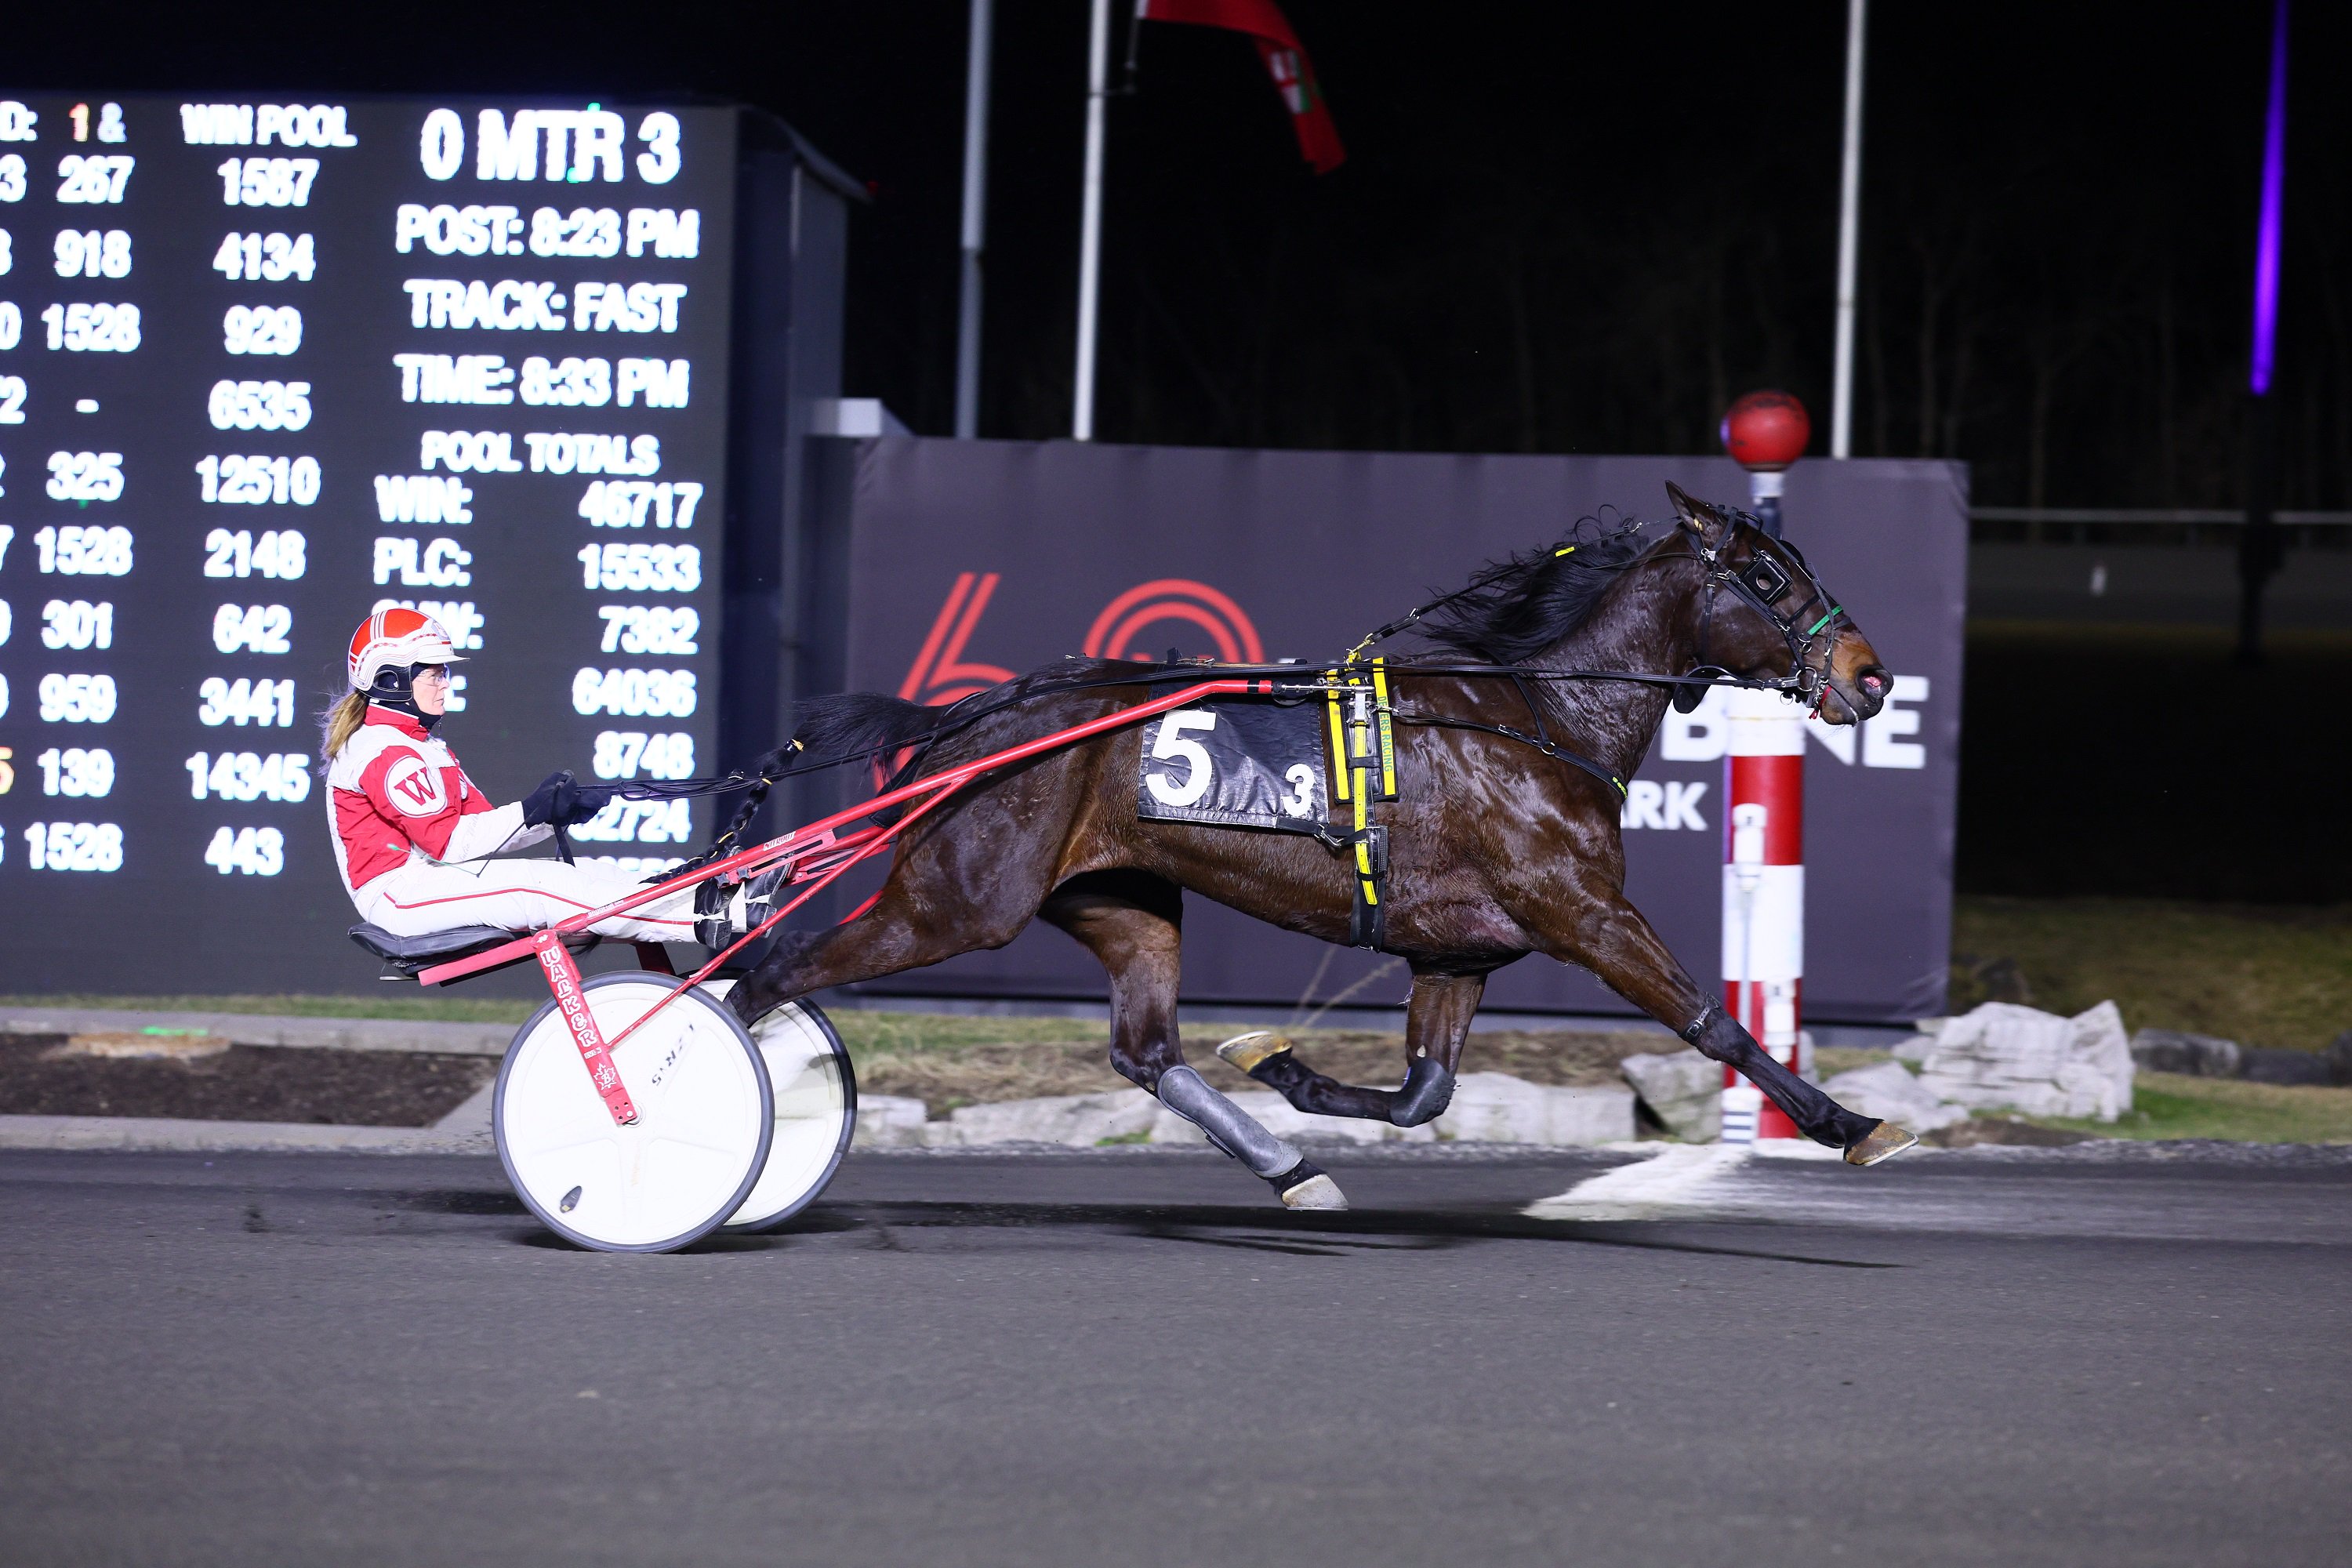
(407, 821)
(395, 795)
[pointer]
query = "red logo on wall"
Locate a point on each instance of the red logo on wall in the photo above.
(940, 674)
(1117, 631)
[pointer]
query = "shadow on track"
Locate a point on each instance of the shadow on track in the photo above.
(1246, 1227)
(1204, 1224)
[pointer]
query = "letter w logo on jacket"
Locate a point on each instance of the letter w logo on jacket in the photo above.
(414, 786)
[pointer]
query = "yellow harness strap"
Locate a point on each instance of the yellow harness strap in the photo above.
(1363, 770)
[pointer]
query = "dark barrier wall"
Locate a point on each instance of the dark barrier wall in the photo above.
(973, 560)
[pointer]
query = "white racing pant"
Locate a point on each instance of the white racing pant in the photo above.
(421, 898)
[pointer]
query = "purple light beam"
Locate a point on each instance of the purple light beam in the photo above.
(2266, 240)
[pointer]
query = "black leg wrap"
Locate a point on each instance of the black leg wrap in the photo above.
(1282, 1072)
(1428, 1090)
(1306, 1170)
(1817, 1115)
(1307, 1185)
(1317, 1095)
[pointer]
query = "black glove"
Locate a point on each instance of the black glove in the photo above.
(563, 800)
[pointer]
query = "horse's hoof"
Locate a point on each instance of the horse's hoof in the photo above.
(1252, 1051)
(1305, 1186)
(1883, 1142)
(1317, 1191)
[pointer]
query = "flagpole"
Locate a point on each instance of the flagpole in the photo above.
(1082, 418)
(975, 221)
(1849, 234)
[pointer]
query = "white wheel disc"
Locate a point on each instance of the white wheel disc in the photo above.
(816, 1110)
(704, 1116)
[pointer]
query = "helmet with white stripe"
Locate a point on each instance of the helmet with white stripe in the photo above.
(396, 638)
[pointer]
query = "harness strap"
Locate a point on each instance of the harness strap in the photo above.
(1363, 770)
(1548, 747)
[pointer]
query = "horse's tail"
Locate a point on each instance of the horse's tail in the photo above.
(856, 722)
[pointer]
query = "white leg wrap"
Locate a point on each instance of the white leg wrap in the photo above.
(1229, 1127)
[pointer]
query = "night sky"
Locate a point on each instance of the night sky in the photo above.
(1559, 228)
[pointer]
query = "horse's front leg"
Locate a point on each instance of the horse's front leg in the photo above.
(1610, 937)
(1436, 1020)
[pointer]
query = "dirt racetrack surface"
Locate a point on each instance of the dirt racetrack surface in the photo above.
(2112, 1355)
(55, 1075)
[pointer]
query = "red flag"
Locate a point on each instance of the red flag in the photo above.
(1286, 61)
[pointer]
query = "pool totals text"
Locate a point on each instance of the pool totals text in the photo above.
(270, 365)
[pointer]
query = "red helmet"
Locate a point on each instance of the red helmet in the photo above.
(396, 638)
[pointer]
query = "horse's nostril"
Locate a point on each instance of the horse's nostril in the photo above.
(1874, 680)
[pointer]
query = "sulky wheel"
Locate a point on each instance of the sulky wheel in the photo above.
(816, 1111)
(705, 1119)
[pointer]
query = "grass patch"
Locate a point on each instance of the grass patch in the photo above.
(2170, 1105)
(2260, 974)
(864, 1032)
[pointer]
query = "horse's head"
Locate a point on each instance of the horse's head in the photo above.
(1760, 614)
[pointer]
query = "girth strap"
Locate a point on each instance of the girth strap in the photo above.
(1363, 770)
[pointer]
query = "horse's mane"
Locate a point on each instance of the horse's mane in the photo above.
(1516, 608)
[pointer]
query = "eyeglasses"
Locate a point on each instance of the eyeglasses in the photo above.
(432, 672)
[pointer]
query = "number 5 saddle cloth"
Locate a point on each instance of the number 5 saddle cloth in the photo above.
(1283, 765)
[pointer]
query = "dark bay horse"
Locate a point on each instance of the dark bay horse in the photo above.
(1496, 849)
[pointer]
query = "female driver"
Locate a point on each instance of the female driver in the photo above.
(414, 835)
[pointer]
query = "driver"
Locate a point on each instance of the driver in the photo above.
(414, 835)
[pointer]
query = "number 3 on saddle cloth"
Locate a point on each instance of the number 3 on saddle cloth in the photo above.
(1282, 766)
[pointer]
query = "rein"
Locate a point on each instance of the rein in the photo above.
(1758, 585)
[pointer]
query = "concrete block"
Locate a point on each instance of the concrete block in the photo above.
(1074, 1121)
(2267, 1064)
(1915, 1049)
(1683, 1089)
(2019, 1059)
(1284, 1120)
(1496, 1107)
(2176, 1050)
(2102, 1050)
(1887, 1090)
(890, 1122)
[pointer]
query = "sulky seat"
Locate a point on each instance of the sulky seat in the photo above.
(405, 956)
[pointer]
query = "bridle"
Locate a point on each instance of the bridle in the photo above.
(1773, 568)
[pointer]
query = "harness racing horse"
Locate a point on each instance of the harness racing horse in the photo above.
(1498, 846)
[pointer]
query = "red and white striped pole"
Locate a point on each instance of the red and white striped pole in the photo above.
(1764, 811)
(1763, 896)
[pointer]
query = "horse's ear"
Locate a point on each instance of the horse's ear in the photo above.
(1697, 515)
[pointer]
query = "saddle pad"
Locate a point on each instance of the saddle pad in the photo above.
(1240, 764)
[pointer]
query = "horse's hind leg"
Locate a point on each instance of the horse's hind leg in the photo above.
(1131, 922)
(1436, 1020)
(923, 917)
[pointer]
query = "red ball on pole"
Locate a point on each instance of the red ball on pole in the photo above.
(1766, 431)
(1764, 799)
